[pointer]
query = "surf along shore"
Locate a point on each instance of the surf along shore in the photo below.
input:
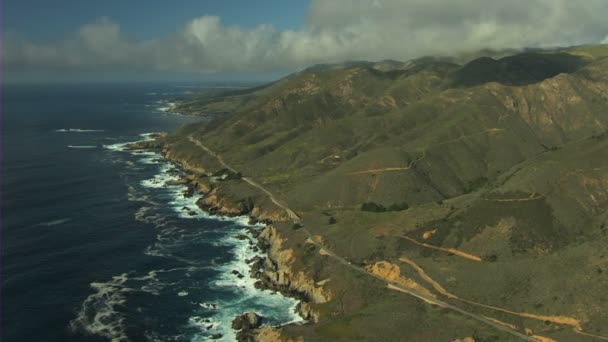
(223, 192)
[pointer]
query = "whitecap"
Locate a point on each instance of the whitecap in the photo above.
(121, 147)
(149, 136)
(166, 107)
(54, 222)
(82, 146)
(77, 130)
(171, 238)
(98, 313)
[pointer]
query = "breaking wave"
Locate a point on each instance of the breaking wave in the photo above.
(77, 130)
(194, 278)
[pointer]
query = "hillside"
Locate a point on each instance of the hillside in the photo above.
(485, 184)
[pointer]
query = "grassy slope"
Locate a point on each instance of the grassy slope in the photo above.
(474, 142)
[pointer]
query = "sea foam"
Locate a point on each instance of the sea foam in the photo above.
(77, 130)
(209, 315)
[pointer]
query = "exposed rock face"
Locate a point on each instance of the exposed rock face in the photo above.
(187, 164)
(269, 334)
(216, 202)
(247, 321)
(392, 273)
(269, 215)
(246, 324)
(218, 205)
(148, 144)
(466, 339)
(277, 272)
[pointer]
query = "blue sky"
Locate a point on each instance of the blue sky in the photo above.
(204, 40)
(48, 20)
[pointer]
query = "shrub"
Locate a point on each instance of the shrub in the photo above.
(373, 207)
(379, 208)
(398, 206)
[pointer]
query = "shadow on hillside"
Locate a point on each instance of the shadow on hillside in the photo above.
(522, 69)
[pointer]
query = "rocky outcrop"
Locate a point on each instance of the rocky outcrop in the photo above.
(247, 325)
(216, 205)
(247, 321)
(269, 334)
(277, 272)
(157, 142)
(187, 165)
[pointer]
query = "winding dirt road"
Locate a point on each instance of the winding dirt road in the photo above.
(250, 181)
(343, 261)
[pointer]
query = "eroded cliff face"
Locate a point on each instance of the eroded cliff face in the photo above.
(547, 107)
(218, 205)
(218, 202)
(187, 164)
(279, 271)
(276, 270)
(269, 334)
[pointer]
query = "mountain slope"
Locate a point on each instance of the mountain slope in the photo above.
(505, 160)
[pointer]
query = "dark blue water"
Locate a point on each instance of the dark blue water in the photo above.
(95, 245)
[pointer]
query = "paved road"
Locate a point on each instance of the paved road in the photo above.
(341, 260)
(294, 217)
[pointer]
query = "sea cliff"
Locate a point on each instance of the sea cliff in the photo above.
(276, 269)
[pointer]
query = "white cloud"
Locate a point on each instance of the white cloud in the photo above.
(334, 31)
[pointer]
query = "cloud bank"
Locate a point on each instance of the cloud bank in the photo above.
(334, 31)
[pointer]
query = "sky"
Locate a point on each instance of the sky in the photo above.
(205, 40)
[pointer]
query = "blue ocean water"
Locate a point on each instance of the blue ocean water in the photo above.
(95, 246)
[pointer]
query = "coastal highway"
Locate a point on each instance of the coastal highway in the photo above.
(294, 217)
(297, 220)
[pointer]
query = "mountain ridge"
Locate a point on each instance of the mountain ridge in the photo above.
(503, 159)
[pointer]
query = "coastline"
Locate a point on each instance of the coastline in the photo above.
(273, 269)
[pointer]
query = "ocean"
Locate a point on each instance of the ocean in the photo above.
(95, 245)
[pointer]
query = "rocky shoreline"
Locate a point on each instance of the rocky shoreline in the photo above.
(274, 271)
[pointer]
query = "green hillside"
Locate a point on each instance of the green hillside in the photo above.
(505, 159)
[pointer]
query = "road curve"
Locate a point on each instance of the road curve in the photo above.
(341, 260)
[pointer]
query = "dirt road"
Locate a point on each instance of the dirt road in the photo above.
(343, 261)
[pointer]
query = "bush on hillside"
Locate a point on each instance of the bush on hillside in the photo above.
(373, 207)
(379, 208)
(398, 206)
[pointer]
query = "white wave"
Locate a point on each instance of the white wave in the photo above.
(206, 324)
(121, 147)
(54, 222)
(166, 107)
(171, 238)
(149, 136)
(77, 130)
(159, 181)
(82, 146)
(98, 314)
(246, 296)
(149, 157)
(135, 196)
(210, 306)
(143, 215)
(145, 153)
